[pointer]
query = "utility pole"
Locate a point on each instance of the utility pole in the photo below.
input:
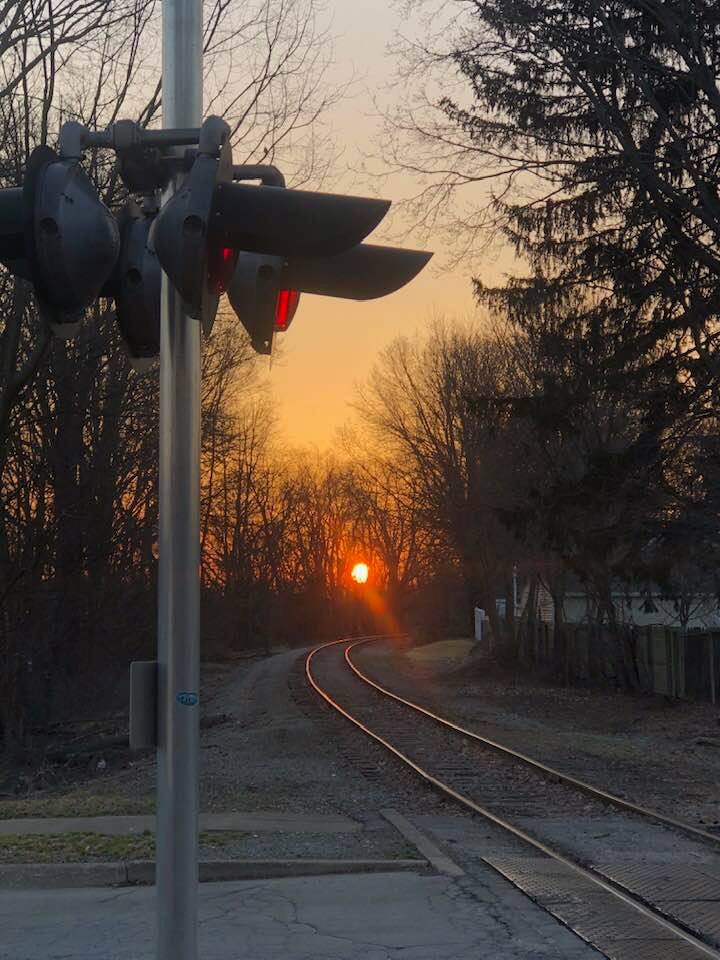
(179, 506)
(264, 245)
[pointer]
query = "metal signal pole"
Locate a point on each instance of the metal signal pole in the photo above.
(179, 574)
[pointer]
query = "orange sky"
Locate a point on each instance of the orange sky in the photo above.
(333, 344)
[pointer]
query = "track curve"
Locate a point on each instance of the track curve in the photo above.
(392, 721)
(604, 795)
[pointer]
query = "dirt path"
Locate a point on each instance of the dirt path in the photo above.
(263, 752)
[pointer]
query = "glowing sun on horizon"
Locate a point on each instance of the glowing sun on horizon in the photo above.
(360, 573)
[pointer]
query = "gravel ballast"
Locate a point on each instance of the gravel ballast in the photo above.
(644, 749)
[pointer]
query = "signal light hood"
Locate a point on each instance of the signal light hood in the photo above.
(282, 222)
(363, 273)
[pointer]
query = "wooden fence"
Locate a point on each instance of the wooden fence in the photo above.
(661, 659)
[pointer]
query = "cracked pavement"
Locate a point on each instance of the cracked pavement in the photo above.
(380, 917)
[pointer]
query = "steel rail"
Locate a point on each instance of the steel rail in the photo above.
(548, 771)
(588, 874)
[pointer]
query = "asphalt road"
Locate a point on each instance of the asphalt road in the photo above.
(416, 917)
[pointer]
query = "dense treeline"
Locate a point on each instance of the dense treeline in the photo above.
(594, 129)
(572, 431)
(78, 427)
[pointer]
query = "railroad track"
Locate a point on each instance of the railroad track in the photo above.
(671, 907)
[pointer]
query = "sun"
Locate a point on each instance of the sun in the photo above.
(360, 573)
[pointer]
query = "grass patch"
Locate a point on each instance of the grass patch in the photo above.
(453, 648)
(76, 806)
(98, 847)
(75, 848)
(217, 838)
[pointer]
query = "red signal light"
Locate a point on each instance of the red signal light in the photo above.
(221, 266)
(228, 258)
(285, 308)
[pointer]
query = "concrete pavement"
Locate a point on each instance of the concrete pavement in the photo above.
(339, 918)
(51, 876)
(275, 821)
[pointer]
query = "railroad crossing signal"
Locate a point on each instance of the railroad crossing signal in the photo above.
(56, 232)
(263, 245)
(257, 296)
(265, 291)
(135, 286)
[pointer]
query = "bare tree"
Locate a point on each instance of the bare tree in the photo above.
(78, 428)
(428, 402)
(391, 525)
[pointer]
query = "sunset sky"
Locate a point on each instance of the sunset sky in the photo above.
(334, 343)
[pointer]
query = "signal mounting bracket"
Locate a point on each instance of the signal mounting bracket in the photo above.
(191, 257)
(146, 159)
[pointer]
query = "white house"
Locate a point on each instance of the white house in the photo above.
(633, 607)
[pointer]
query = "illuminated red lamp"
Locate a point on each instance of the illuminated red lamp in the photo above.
(285, 308)
(221, 266)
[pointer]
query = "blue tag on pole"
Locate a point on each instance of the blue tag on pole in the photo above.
(187, 699)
